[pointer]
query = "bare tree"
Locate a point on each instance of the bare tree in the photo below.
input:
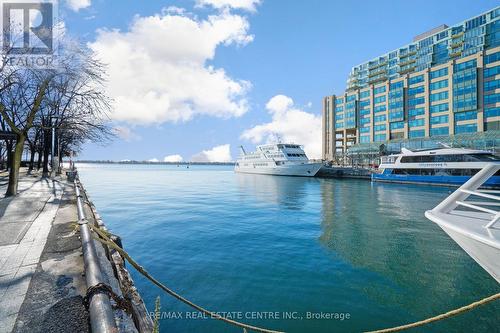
(70, 98)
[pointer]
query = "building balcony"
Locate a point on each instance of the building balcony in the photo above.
(406, 70)
(459, 34)
(381, 71)
(456, 54)
(377, 79)
(407, 62)
(377, 65)
(456, 44)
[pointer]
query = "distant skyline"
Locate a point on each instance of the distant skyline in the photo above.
(194, 79)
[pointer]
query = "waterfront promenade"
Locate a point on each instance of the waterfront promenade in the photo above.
(41, 267)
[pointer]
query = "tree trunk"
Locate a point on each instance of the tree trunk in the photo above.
(9, 154)
(40, 155)
(32, 159)
(14, 166)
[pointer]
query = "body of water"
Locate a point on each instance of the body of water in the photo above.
(268, 247)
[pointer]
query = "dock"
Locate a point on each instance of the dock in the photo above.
(344, 172)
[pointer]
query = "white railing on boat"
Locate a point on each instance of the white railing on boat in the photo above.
(471, 188)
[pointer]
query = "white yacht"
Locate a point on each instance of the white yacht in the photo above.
(474, 224)
(277, 159)
(441, 166)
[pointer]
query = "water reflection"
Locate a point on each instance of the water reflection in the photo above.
(286, 192)
(382, 229)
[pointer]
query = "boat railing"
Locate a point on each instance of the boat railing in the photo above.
(472, 188)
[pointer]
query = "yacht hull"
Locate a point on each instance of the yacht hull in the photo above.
(300, 170)
(473, 238)
(493, 182)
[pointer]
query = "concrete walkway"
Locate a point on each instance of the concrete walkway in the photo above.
(25, 223)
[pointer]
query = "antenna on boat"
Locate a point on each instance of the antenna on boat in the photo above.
(243, 150)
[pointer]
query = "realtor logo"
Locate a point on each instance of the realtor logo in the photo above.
(28, 31)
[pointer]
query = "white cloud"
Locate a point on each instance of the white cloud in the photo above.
(250, 5)
(290, 124)
(76, 5)
(153, 160)
(173, 158)
(125, 133)
(220, 153)
(158, 72)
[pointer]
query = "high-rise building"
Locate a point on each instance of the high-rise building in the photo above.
(443, 84)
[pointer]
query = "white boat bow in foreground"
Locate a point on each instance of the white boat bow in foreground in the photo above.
(474, 224)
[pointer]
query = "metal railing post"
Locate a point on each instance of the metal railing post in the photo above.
(450, 203)
(101, 313)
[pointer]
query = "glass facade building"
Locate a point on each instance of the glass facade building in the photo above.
(446, 82)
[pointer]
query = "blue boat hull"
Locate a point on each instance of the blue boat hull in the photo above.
(432, 180)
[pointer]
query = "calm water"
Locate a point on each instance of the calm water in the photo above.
(253, 243)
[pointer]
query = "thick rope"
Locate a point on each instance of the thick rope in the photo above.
(107, 241)
(441, 316)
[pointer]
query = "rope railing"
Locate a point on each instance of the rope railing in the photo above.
(441, 316)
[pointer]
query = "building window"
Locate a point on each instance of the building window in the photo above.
(468, 115)
(439, 96)
(491, 112)
(379, 137)
(491, 85)
(440, 131)
(416, 79)
(379, 90)
(491, 99)
(416, 90)
(379, 99)
(396, 116)
(488, 72)
(364, 139)
(492, 58)
(416, 112)
(439, 120)
(465, 65)
(467, 128)
(416, 122)
(380, 118)
(417, 134)
(415, 101)
(439, 108)
(378, 128)
(439, 84)
(364, 103)
(364, 94)
(397, 125)
(379, 108)
(396, 85)
(438, 73)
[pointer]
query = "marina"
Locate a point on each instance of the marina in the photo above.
(258, 243)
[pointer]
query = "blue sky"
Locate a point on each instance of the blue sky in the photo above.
(237, 60)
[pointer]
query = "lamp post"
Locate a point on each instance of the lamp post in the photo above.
(54, 162)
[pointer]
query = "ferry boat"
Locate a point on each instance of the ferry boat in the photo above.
(441, 166)
(277, 159)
